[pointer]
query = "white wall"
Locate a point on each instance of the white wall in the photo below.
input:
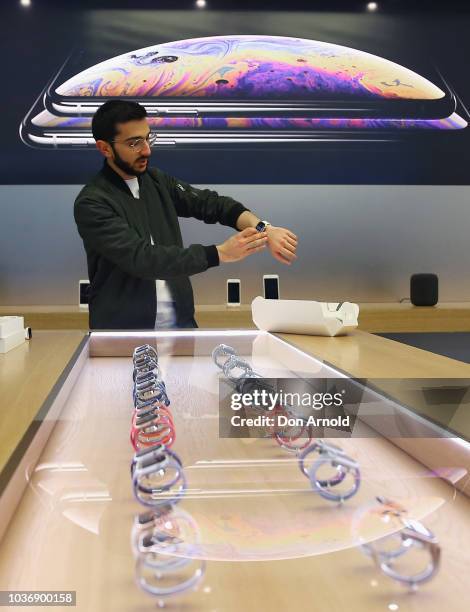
(358, 243)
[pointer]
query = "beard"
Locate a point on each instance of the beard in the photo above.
(127, 168)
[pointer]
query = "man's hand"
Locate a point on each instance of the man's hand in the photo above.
(282, 243)
(242, 244)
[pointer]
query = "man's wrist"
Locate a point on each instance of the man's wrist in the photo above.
(220, 252)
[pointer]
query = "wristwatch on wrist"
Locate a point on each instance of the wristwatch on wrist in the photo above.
(262, 225)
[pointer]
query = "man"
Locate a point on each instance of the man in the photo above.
(127, 217)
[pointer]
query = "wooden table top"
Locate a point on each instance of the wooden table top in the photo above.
(72, 528)
(28, 374)
(364, 355)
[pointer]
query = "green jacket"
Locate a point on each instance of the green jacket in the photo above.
(122, 262)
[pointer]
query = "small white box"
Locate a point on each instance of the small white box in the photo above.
(11, 325)
(12, 341)
(304, 316)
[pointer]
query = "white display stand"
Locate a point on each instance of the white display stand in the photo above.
(12, 333)
(304, 316)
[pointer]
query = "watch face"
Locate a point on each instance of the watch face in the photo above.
(261, 226)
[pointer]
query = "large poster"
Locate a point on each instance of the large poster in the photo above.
(244, 97)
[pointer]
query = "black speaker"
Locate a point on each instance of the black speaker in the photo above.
(424, 289)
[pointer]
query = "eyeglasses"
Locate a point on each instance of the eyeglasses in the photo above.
(137, 144)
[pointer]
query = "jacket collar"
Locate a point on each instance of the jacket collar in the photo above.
(113, 177)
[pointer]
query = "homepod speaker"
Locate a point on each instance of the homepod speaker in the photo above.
(424, 289)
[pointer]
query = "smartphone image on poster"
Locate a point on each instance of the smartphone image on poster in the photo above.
(251, 76)
(41, 129)
(271, 286)
(233, 292)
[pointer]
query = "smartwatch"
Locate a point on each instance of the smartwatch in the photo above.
(262, 225)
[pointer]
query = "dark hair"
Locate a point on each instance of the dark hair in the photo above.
(106, 118)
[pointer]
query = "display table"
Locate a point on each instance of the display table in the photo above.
(68, 507)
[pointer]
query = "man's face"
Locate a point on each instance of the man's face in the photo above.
(130, 149)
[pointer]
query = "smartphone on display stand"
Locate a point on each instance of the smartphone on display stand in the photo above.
(271, 286)
(233, 292)
(83, 293)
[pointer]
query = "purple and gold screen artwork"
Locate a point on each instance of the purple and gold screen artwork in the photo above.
(250, 67)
